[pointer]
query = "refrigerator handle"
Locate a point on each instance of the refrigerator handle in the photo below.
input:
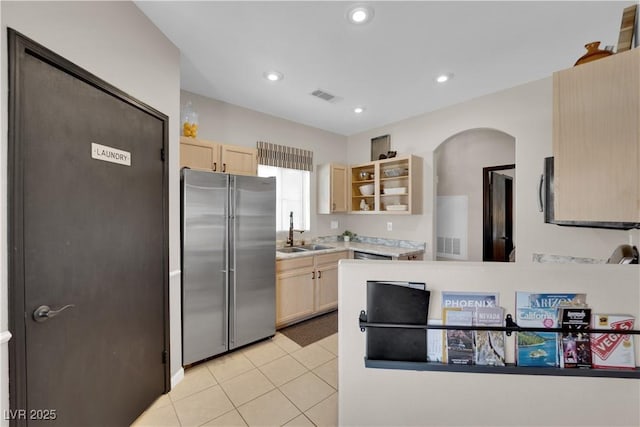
(225, 273)
(233, 226)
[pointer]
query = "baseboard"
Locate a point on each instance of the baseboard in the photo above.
(176, 378)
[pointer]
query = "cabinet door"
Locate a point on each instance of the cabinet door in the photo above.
(327, 288)
(338, 188)
(332, 188)
(326, 291)
(199, 155)
(596, 140)
(239, 160)
(294, 295)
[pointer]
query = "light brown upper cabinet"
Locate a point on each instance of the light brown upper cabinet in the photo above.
(239, 160)
(596, 140)
(199, 154)
(332, 188)
(390, 186)
(214, 157)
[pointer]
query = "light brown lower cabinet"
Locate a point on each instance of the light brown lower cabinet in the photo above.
(306, 286)
(294, 289)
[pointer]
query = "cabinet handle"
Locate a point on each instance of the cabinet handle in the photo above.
(313, 275)
(224, 167)
(319, 274)
(334, 206)
(540, 203)
(215, 166)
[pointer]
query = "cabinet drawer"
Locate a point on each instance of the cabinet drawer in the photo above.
(294, 263)
(331, 258)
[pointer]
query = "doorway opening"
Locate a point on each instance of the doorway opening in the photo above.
(459, 210)
(497, 195)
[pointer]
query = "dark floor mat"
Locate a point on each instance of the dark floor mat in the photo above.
(312, 330)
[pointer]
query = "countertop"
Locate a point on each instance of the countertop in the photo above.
(393, 251)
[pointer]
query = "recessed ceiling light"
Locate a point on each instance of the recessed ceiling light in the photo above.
(273, 76)
(360, 14)
(444, 78)
(358, 110)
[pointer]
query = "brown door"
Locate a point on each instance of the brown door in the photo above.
(501, 217)
(89, 233)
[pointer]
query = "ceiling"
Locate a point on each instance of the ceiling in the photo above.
(387, 65)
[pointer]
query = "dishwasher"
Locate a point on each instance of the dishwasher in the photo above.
(365, 255)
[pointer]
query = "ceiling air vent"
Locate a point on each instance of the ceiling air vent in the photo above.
(324, 95)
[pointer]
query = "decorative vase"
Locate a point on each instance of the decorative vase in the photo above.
(189, 119)
(593, 53)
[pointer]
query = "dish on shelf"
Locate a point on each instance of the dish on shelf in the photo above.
(396, 207)
(366, 190)
(396, 190)
(395, 172)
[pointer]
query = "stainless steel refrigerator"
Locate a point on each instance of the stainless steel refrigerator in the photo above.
(228, 262)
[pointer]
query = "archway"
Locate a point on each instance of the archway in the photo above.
(459, 162)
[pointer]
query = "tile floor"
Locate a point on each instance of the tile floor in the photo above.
(271, 383)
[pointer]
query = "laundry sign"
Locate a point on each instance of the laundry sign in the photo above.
(110, 154)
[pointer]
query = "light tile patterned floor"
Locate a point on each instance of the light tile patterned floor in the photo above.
(272, 383)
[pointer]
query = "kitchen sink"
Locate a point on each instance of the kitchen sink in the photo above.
(290, 250)
(314, 247)
(303, 248)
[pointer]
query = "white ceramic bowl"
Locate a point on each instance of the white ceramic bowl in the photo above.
(396, 190)
(366, 190)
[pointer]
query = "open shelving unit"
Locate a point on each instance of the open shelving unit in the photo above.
(397, 184)
(395, 177)
(362, 175)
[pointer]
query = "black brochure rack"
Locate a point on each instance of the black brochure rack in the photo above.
(509, 328)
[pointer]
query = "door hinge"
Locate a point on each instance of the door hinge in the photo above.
(162, 154)
(165, 356)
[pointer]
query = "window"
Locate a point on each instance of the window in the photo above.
(292, 195)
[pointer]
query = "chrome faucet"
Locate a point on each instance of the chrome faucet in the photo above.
(291, 230)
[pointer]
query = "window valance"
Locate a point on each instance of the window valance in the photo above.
(284, 157)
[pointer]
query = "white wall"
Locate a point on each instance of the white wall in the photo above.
(230, 124)
(523, 112)
(458, 167)
(116, 42)
(384, 397)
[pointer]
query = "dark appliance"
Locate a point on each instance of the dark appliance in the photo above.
(366, 255)
(397, 303)
(546, 200)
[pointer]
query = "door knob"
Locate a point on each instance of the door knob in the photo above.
(44, 312)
